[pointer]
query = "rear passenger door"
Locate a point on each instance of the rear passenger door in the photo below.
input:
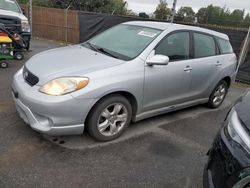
(206, 66)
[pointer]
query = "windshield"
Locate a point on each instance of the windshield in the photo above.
(10, 5)
(124, 41)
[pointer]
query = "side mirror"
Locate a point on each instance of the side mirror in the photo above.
(158, 60)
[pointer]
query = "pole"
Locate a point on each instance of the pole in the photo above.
(66, 24)
(30, 15)
(173, 11)
(244, 51)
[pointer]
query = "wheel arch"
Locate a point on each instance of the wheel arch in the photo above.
(129, 96)
(228, 80)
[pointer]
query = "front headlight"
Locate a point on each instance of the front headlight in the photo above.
(237, 132)
(25, 26)
(62, 86)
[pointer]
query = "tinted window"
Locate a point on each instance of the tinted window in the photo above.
(225, 46)
(204, 45)
(175, 46)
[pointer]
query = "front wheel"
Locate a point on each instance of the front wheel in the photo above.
(109, 118)
(218, 95)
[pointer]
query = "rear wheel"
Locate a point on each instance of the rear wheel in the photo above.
(4, 64)
(218, 95)
(109, 118)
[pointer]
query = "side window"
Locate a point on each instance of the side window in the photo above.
(225, 46)
(204, 45)
(175, 46)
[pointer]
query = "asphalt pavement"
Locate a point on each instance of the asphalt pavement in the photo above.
(167, 151)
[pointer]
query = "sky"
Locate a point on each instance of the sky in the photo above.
(149, 6)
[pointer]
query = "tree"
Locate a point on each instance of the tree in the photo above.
(102, 6)
(143, 15)
(185, 14)
(225, 16)
(202, 15)
(119, 7)
(214, 13)
(247, 20)
(237, 17)
(162, 11)
(46, 3)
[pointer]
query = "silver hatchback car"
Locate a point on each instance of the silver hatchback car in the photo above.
(130, 72)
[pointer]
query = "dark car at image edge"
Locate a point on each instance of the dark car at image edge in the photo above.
(228, 165)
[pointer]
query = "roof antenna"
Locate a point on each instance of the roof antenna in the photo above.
(173, 12)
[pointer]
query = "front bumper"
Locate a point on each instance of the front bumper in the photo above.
(26, 37)
(58, 116)
(228, 164)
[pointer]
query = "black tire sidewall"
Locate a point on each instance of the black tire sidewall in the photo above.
(18, 54)
(92, 120)
(2, 63)
(210, 102)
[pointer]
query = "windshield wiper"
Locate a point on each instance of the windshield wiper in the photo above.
(106, 52)
(92, 46)
(102, 50)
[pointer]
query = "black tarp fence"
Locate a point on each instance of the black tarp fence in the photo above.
(92, 24)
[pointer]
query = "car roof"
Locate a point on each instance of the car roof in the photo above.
(166, 26)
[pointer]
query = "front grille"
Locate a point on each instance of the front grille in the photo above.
(12, 24)
(30, 78)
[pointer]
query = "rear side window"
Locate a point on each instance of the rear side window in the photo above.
(204, 45)
(225, 46)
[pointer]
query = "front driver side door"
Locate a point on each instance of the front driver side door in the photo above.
(169, 85)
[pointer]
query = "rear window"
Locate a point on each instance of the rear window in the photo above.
(225, 46)
(204, 45)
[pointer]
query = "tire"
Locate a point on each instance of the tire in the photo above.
(4, 64)
(109, 118)
(219, 92)
(18, 56)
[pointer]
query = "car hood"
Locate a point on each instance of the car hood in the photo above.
(68, 61)
(242, 108)
(12, 14)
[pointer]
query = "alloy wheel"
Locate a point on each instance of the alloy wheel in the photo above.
(112, 119)
(219, 94)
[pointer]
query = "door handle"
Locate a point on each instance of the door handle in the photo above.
(218, 64)
(188, 69)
